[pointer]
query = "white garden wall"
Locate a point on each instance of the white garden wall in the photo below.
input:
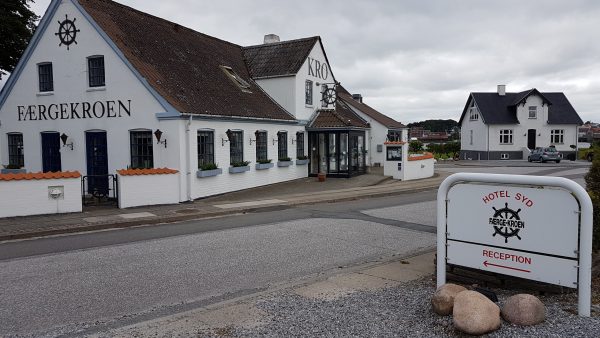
(25, 197)
(152, 189)
(416, 169)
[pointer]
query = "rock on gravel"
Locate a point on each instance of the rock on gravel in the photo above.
(443, 298)
(475, 314)
(524, 309)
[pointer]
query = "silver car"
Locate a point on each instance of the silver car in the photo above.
(544, 154)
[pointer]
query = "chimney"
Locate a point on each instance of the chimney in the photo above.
(357, 97)
(501, 90)
(271, 38)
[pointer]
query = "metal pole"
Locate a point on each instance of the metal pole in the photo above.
(585, 225)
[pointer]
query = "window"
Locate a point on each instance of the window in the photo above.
(299, 145)
(473, 112)
(282, 151)
(394, 154)
(236, 146)
(15, 150)
(96, 71)
(233, 76)
(141, 149)
(261, 146)
(394, 136)
(532, 112)
(506, 136)
(470, 137)
(45, 77)
(557, 136)
(308, 92)
(206, 147)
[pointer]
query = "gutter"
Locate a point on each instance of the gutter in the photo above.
(224, 117)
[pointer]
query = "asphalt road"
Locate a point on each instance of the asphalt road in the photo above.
(85, 283)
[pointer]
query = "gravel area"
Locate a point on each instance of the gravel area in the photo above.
(402, 311)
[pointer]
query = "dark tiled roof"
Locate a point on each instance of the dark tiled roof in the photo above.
(367, 110)
(341, 117)
(182, 65)
(501, 109)
(279, 58)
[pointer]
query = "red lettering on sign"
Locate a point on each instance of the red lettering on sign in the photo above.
(506, 257)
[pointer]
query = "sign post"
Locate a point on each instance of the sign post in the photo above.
(532, 227)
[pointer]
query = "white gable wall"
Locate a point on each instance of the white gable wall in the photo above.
(304, 111)
(282, 90)
(70, 75)
(479, 130)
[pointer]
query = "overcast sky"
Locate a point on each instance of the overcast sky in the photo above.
(416, 60)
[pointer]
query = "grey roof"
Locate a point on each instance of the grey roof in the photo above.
(279, 58)
(501, 109)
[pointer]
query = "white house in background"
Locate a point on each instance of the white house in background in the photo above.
(504, 125)
(383, 128)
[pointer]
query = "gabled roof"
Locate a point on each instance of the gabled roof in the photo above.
(502, 109)
(385, 120)
(279, 58)
(182, 65)
(342, 117)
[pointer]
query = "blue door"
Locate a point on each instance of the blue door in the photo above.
(51, 152)
(97, 163)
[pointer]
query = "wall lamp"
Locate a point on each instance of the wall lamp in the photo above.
(229, 134)
(158, 135)
(64, 138)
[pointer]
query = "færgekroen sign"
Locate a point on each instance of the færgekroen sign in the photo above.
(517, 225)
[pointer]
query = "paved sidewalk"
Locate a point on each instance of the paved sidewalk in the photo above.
(287, 194)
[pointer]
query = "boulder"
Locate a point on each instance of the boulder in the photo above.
(524, 309)
(474, 313)
(443, 298)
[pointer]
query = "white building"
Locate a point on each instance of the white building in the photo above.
(104, 87)
(504, 125)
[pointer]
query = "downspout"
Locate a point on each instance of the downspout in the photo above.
(188, 175)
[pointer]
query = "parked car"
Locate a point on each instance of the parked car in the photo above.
(544, 154)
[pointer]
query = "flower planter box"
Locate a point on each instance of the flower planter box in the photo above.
(13, 171)
(284, 163)
(237, 170)
(209, 173)
(301, 162)
(263, 166)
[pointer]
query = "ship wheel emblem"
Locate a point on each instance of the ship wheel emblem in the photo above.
(509, 222)
(67, 32)
(329, 96)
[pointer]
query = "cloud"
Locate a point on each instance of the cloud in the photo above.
(418, 59)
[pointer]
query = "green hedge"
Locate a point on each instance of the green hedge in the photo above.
(592, 180)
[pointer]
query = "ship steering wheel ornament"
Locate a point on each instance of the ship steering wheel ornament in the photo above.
(507, 214)
(67, 32)
(329, 96)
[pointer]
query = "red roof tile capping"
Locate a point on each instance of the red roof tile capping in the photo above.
(40, 176)
(425, 156)
(153, 171)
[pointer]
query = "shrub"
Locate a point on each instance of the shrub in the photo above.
(209, 166)
(592, 180)
(264, 161)
(302, 157)
(284, 159)
(240, 164)
(415, 146)
(12, 166)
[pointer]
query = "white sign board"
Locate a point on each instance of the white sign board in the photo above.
(532, 227)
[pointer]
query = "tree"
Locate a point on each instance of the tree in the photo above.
(592, 181)
(17, 24)
(415, 146)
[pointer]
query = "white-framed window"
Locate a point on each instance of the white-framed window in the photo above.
(473, 112)
(506, 136)
(557, 136)
(308, 93)
(471, 137)
(533, 112)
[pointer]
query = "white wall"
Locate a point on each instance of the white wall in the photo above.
(226, 182)
(137, 190)
(419, 169)
(30, 197)
(71, 86)
(480, 137)
(282, 90)
(303, 111)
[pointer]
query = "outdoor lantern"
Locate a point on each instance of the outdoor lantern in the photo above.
(229, 134)
(64, 138)
(158, 135)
